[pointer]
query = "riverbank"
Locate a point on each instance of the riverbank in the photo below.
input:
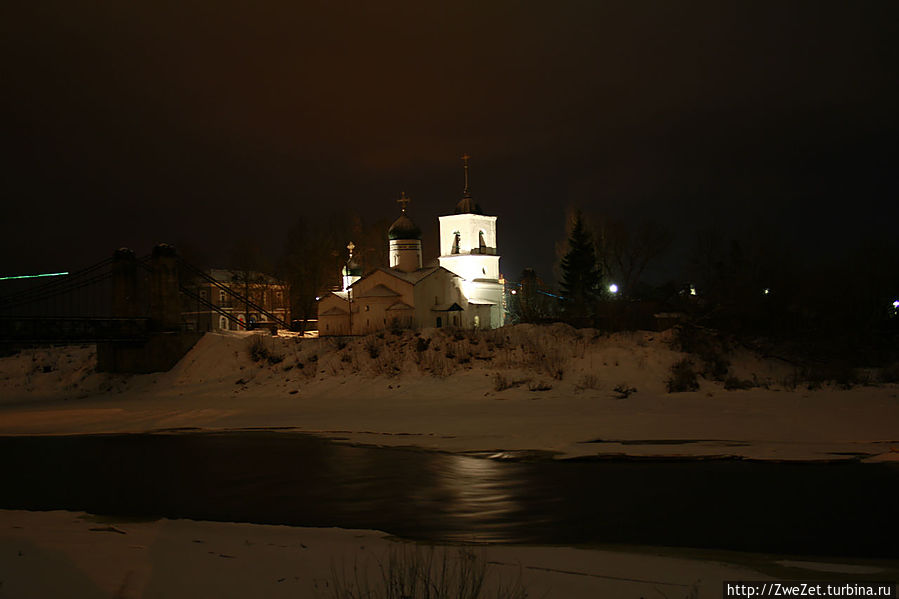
(523, 389)
(184, 558)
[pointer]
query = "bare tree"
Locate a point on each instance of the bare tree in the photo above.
(625, 251)
(315, 252)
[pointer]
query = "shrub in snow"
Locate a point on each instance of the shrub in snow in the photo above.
(539, 386)
(622, 391)
(501, 382)
(683, 377)
(412, 572)
(731, 383)
(588, 381)
(708, 346)
(257, 349)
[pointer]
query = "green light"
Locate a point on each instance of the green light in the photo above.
(46, 274)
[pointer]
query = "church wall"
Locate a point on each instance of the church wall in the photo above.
(333, 324)
(440, 288)
(370, 313)
(405, 254)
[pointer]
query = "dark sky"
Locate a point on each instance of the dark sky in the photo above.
(130, 123)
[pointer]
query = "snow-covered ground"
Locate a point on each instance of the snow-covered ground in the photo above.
(518, 389)
(441, 391)
(68, 554)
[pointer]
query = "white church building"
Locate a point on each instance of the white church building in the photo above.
(462, 288)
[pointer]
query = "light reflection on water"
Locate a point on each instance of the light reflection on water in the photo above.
(306, 481)
(482, 490)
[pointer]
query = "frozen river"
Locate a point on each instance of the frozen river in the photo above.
(840, 509)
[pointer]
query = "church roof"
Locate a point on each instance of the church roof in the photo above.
(404, 228)
(333, 311)
(378, 291)
(400, 306)
(453, 307)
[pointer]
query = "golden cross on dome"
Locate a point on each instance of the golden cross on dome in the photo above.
(403, 201)
(351, 246)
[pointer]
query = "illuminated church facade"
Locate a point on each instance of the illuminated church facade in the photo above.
(463, 288)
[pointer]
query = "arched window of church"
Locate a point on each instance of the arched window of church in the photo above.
(482, 246)
(457, 238)
(223, 323)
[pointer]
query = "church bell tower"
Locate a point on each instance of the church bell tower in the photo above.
(468, 249)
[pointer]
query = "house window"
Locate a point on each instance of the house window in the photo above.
(221, 296)
(367, 307)
(439, 322)
(202, 294)
(223, 323)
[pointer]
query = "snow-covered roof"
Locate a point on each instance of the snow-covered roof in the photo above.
(378, 291)
(413, 277)
(481, 302)
(334, 311)
(453, 307)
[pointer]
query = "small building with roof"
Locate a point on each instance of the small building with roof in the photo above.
(461, 288)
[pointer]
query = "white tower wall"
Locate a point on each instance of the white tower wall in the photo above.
(476, 264)
(405, 254)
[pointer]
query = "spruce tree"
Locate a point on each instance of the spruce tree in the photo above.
(580, 275)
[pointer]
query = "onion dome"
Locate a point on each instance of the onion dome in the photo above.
(352, 268)
(468, 206)
(404, 228)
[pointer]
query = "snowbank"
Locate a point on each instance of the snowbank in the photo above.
(523, 388)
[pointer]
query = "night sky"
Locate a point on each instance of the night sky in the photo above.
(201, 122)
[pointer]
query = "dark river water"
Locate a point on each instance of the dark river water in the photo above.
(840, 509)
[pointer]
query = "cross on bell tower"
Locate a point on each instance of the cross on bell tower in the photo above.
(466, 193)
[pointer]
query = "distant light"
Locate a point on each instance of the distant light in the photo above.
(692, 290)
(613, 288)
(766, 291)
(317, 298)
(514, 292)
(47, 274)
(896, 304)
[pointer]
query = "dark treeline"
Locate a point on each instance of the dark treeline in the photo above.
(748, 287)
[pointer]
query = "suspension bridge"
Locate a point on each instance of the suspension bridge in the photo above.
(144, 313)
